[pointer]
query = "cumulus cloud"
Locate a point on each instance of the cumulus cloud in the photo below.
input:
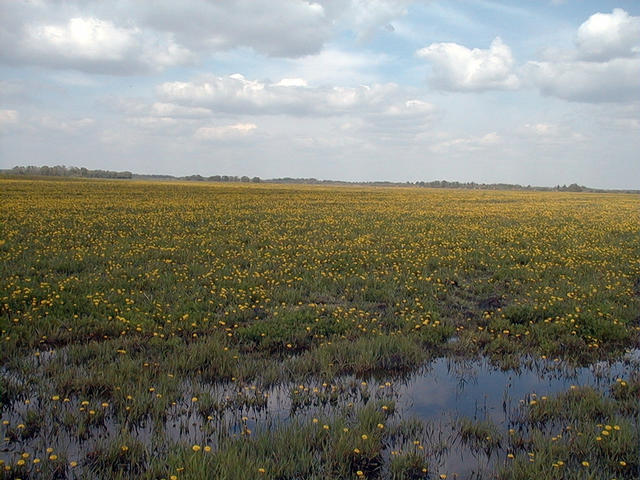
(225, 132)
(605, 36)
(382, 110)
(95, 45)
(458, 68)
(612, 81)
(604, 66)
(272, 27)
(89, 38)
(233, 103)
(130, 37)
(236, 94)
(291, 82)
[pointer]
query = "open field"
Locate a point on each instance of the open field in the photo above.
(185, 331)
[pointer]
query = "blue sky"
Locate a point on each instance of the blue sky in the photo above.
(537, 92)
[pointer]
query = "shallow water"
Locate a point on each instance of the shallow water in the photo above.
(476, 389)
(449, 388)
(438, 394)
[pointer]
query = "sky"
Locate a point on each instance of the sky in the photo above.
(538, 92)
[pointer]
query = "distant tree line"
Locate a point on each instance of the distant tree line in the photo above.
(222, 178)
(574, 187)
(63, 171)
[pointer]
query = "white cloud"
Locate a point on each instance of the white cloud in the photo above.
(612, 81)
(605, 36)
(225, 132)
(291, 82)
(411, 108)
(381, 110)
(333, 66)
(604, 66)
(89, 38)
(131, 37)
(157, 34)
(236, 94)
(272, 27)
(95, 45)
(172, 110)
(458, 68)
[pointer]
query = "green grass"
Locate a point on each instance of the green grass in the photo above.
(580, 433)
(122, 301)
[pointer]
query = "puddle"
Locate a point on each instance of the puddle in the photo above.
(476, 389)
(450, 388)
(438, 395)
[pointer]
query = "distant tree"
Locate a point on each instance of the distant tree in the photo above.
(62, 171)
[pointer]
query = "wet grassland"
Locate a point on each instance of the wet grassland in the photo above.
(191, 331)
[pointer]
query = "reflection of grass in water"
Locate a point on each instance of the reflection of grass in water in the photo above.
(580, 433)
(482, 435)
(143, 288)
(347, 446)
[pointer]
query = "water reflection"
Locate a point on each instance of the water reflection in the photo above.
(477, 389)
(438, 395)
(449, 388)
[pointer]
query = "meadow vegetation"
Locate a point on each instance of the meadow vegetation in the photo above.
(127, 305)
